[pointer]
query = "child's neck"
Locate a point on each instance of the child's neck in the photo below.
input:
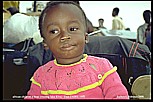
(69, 61)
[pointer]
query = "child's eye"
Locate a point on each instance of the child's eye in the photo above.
(54, 31)
(73, 29)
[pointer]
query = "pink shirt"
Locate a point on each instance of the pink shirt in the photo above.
(90, 78)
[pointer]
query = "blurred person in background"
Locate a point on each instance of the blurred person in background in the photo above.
(117, 22)
(101, 23)
(142, 28)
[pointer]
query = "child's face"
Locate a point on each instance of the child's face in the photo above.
(64, 31)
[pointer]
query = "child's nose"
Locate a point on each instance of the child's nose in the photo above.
(65, 36)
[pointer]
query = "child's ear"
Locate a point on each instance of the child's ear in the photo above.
(45, 45)
(86, 38)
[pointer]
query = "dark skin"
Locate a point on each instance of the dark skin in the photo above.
(114, 14)
(64, 32)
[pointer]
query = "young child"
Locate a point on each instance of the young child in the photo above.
(72, 75)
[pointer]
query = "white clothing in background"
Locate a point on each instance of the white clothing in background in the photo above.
(117, 23)
(20, 27)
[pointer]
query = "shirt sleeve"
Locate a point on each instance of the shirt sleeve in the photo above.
(35, 88)
(112, 86)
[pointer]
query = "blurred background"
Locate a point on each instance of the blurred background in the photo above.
(130, 11)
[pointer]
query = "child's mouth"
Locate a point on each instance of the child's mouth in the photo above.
(67, 47)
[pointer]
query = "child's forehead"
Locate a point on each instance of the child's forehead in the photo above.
(64, 6)
(63, 9)
(51, 10)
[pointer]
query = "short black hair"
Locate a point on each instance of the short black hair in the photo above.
(147, 16)
(13, 10)
(53, 3)
(116, 10)
(101, 19)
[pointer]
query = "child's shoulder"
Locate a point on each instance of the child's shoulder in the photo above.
(100, 62)
(97, 59)
(45, 67)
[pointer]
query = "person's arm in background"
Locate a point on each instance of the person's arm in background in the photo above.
(139, 35)
(32, 13)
